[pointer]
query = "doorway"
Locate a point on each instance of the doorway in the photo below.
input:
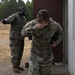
(58, 10)
(55, 8)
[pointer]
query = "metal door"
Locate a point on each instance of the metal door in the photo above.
(55, 8)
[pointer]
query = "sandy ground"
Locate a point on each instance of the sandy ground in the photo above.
(5, 54)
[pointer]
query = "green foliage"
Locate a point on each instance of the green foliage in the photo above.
(8, 7)
(21, 3)
(29, 7)
(4, 11)
(0, 3)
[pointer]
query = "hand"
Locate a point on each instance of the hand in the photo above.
(53, 44)
(42, 25)
(3, 21)
(30, 37)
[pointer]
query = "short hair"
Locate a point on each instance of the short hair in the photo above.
(42, 15)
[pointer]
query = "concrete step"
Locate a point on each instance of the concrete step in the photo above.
(60, 70)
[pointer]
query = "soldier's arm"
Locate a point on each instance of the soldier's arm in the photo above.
(59, 33)
(29, 28)
(9, 19)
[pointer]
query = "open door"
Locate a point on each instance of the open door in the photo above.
(55, 8)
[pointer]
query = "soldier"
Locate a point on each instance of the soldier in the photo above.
(43, 28)
(17, 21)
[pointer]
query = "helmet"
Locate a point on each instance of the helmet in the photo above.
(21, 11)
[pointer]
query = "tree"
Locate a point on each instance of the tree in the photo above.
(29, 7)
(21, 3)
(3, 9)
(9, 7)
(2, 1)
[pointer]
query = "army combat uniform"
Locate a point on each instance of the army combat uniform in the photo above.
(41, 55)
(16, 39)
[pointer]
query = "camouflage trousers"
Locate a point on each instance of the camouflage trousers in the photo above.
(17, 47)
(36, 68)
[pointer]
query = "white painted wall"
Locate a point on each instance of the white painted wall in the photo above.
(70, 37)
(74, 55)
(73, 37)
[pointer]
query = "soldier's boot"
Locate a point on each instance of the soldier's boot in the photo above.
(16, 70)
(20, 68)
(27, 65)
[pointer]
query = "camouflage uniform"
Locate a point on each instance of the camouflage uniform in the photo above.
(41, 55)
(16, 39)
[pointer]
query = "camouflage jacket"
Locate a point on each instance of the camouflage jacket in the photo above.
(41, 38)
(17, 22)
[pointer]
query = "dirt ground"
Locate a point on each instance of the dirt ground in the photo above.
(5, 54)
(4, 43)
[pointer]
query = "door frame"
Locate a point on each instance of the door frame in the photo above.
(65, 33)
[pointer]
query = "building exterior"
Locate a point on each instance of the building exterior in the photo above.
(62, 11)
(71, 36)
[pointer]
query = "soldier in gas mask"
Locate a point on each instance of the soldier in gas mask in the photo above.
(17, 21)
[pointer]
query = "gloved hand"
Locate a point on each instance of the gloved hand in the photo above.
(30, 37)
(3, 21)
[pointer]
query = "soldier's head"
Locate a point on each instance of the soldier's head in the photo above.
(42, 16)
(21, 11)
